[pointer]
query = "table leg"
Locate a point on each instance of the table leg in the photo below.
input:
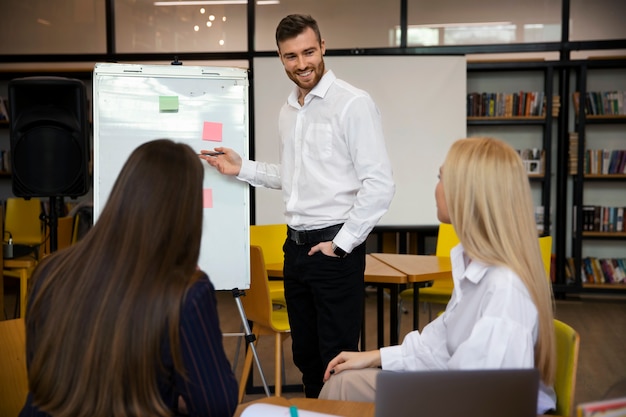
(380, 312)
(416, 298)
(393, 311)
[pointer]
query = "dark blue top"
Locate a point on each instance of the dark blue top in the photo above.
(210, 387)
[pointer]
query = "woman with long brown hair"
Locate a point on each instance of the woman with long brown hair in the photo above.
(123, 323)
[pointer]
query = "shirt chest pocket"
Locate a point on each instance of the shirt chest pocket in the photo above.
(318, 141)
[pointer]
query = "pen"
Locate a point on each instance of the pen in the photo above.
(294, 411)
(211, 153)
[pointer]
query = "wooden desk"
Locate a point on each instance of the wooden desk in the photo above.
(419, 270)
(383, 276)
(339, 408)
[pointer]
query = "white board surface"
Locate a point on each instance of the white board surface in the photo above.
(203, 107)
(422, 103)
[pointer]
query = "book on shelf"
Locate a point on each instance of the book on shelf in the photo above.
(615, 407)
(602, 270)
(502, 104)
(601, 103)
(603, 219)
(602, 161)
(573, 153)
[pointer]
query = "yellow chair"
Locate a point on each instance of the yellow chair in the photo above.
(265, 319)
(13, 377)
(22, 221)
(441, 289)
(65, 227)
(271, 237)
(567, 345)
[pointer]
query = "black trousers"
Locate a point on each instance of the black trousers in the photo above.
(325, 297)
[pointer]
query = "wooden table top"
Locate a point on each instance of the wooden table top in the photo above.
(338, 408)
(376, 271)
(418, 268)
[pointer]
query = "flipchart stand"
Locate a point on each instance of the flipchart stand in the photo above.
(248, 336)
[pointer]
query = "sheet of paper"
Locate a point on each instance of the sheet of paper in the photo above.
(270, 410)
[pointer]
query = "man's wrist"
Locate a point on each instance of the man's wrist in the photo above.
(338, 251)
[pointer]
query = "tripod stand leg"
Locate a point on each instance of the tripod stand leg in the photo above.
(250, 339)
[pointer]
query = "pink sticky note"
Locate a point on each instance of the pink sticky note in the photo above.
(212, 131)
(207, 198)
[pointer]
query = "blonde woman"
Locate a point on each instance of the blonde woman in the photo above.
(501, 311)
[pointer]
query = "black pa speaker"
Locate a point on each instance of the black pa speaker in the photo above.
(49, 137)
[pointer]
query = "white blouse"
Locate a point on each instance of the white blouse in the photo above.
(489, 323)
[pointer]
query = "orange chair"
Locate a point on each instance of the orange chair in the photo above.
(265, 319)
(13, 377)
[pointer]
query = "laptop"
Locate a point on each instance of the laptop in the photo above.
(457, 393)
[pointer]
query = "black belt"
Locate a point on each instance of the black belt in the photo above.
(302, 237)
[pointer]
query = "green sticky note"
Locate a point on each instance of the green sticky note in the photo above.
(168, 104)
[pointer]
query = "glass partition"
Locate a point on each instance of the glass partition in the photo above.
(41, 27)
(597, 20)
(180, 26)
(482, 22)
(344, 24)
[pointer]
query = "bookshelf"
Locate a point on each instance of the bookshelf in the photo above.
(597, 192)
(530, 127)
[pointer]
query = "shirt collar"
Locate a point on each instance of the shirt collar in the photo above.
(474, 271)
(319, 90)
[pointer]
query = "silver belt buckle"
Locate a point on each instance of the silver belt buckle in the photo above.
(298, 234)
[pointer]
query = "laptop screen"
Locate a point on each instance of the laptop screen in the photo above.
(451, 393)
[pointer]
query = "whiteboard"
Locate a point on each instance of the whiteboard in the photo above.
(203, 107)
(422, 104)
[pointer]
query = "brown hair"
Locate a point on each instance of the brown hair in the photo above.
(293, 25)
(102, 307)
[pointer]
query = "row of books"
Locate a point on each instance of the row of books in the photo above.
(605, 161)
(485, 104)
(603, 219)
(601, 103)
(573, 153)
(600, 270)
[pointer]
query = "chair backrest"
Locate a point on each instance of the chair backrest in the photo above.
(446, 239)
(22, 220)
(567, 345)
(257, 303)
(270, 237)
(83, 221)
(545, 245)
(65, 226)
(13, 377)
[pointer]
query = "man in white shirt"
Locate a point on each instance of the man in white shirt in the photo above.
(336, 182)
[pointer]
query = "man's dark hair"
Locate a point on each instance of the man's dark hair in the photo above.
(293, 25)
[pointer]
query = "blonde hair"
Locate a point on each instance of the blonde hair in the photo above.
(491, 208)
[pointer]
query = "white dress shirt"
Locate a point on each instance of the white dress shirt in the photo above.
(489, 323)
(334, 166)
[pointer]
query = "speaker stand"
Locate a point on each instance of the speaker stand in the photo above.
(53, 223)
